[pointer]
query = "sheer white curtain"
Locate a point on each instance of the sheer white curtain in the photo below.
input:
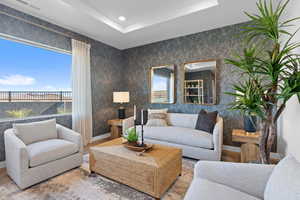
(81, 89)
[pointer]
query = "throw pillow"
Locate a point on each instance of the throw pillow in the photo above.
(36, 131)
(157, 117)
(284, 182)
(150, 111)
(206, 121)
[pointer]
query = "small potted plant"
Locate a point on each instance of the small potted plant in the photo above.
(247, 102)
(132, 137)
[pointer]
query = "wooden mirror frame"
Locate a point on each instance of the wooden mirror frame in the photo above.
(150, 83)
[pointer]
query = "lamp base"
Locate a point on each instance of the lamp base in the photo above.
(121, 113)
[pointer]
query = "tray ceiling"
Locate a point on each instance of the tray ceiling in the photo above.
(146, 21)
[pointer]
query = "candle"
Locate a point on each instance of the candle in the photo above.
(134, 112)
(142, 116)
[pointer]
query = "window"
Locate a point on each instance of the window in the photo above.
(33, 80)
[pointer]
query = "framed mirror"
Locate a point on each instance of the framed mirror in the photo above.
(200, 82)
(162, 82)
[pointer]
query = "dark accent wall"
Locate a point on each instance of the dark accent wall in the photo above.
(215, 44)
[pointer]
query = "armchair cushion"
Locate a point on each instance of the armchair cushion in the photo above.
(284, 182)
(36, 131)
(247, 178)
(179, 135)
(49, 150)
(208, 190)
(65, 133)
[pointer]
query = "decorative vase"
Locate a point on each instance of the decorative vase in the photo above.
(250, 124)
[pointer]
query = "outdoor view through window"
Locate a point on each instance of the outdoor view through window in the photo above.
(33, 81)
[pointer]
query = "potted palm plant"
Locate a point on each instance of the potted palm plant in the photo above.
(247, 102)
(270, 66)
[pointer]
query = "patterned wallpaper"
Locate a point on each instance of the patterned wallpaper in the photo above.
(215, 44)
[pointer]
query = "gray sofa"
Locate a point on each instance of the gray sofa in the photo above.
(181, 133)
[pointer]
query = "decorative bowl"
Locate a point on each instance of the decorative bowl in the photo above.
(137, 148)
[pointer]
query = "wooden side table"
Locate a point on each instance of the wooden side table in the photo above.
(116, 127)
(249, 148)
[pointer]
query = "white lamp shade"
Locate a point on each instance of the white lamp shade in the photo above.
(120, 97)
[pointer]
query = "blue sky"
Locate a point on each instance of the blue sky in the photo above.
(24, 67)
(160, 83)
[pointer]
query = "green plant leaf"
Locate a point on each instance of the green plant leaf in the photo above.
(131, 135)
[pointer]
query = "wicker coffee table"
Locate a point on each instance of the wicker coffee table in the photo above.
(152, 173)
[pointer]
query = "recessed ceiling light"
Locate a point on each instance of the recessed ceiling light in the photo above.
(122, 18)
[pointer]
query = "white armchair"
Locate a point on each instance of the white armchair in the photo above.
(28, 163)
(224, 180)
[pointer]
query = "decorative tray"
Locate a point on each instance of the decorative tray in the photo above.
(137, 148)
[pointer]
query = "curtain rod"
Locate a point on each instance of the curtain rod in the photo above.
(41, 26)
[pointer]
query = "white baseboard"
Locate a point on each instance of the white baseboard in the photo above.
(100, 137)
(238, 149)
(2, 164)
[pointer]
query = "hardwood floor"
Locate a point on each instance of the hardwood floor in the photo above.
(231, 156)
(2, 172)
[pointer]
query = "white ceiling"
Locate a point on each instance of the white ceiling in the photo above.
(147, 21)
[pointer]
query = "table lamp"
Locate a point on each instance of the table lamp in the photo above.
(121, 97)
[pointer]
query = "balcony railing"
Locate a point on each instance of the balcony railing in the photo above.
(35, 96)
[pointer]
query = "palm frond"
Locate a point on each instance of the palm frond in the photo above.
(272, 68)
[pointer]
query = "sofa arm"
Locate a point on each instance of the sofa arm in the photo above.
(248, 178)
(70, 135)
(17, 158)
(218, 137)
(127, 123)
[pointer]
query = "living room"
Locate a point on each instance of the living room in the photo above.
(149, 100)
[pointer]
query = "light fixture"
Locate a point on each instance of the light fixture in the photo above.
(122, 18)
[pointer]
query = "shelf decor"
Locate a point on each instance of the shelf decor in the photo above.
(193, 91)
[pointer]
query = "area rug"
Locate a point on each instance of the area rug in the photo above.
(78, 184)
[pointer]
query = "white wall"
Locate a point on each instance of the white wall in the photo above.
(289, 125)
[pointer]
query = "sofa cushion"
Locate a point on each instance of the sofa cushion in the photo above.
(208, 190)
(182, 120)
(36, 131)
(179, 135)
(284, 182)
(49, 150)
(151, 111)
